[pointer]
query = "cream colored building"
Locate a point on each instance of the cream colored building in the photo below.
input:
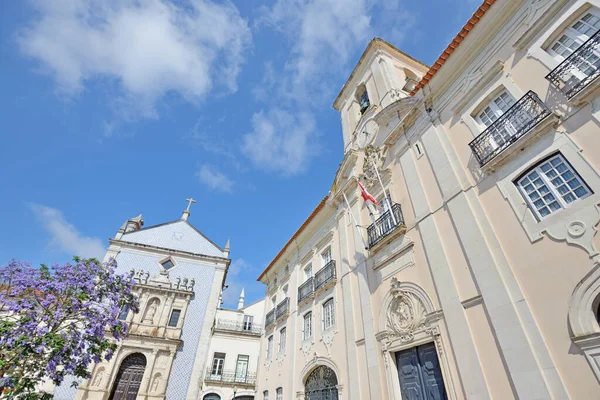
(483, 279)
(233, 353)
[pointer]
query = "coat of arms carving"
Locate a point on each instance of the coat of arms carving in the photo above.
(406, 313)
(374, 158)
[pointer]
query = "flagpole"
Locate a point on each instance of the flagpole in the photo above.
(355, 223)
(387, 200)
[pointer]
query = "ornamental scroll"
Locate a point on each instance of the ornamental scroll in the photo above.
(405, 315)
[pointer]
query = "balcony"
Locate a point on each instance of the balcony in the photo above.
(579, 69)
(270, 319)
(306, 290)
(325, 277)
(248, 328)
(283, 309)
(514, 124)
(385, 225)
(230, 378)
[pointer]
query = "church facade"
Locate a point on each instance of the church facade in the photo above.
(179, 276)
(477, 275)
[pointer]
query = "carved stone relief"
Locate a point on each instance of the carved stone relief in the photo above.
(579, 229)
(373, 155)
(405, 314)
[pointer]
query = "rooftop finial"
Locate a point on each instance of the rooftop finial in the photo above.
(241, 300)
(186, 212)
(227, 245)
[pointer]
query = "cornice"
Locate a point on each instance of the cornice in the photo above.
(165, 250)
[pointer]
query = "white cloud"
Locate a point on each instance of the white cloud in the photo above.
(150, 47)
(281, 141)
(64, 236)
(215, 180)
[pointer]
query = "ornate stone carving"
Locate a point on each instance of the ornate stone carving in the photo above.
(327, 339)
(579, 230)
(305, 347)
(373, 155)
(405, 314)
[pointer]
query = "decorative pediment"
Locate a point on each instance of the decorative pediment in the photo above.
(406, 313)
(344, 172)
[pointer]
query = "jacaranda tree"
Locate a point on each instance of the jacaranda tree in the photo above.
(55, 321)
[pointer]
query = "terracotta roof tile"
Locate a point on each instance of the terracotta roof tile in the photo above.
(470, 24)
(298, 232)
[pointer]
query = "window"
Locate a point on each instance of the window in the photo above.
(364, 101)
(266, 395)
(328, 314)
(552, 185)
(326, 256)
(495, 108)
(307, 326)
(282, 334)
(218, 362)
(575, 35)
(307, 272)
(279, 394)
(247, 325)
(241, 369)
(123, 314)
(270, 347)
(174, 317)
(167, 265)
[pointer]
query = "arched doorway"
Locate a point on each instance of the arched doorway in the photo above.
(321, 384)
(211, 396)
(129, 377)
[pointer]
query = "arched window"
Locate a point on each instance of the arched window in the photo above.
(362, 96)
(321, 383)
(211, 396)
(129, 377)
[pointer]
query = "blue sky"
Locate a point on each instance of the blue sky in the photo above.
(111, 108)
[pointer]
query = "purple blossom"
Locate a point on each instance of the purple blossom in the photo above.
(55, 321)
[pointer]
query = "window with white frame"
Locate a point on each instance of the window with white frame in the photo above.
(326, 256)
(575, 35)
(218, 362)
(328, 314)
(282, 335)
(552, 185)
(270, 347)
(385, 202)
(279, 393)
(248, 320)
(307, 326)
(495, 108)
(307, 272)
(266, 395)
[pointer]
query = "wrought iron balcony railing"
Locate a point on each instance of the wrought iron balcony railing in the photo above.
(283, 308)
(230, 377)
(270, 318)
(246, 327)
(385, 224)
(306, 290)
(510, 127)
(579, 69)
(325, 275)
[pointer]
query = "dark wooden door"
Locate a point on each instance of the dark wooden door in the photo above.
(129, 378)
(420, 374)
